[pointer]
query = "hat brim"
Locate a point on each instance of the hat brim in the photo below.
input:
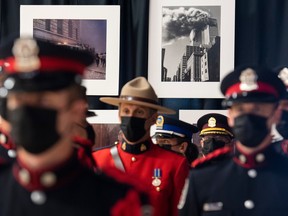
(227, 103)
(118, 101)
(213, 131)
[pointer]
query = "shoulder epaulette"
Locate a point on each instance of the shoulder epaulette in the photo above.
(213, 155)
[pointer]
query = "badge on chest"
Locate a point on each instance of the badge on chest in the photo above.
(156, 182)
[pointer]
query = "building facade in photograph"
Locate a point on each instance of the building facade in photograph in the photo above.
(59, 31)
(201, 60)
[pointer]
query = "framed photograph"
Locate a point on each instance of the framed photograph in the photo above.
(191, 47)
(106, 127)
(93, 28)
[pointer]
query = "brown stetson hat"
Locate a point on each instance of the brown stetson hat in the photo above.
(139, 92)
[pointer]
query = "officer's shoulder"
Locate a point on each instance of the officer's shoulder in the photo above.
(104, 147)
(213, 157)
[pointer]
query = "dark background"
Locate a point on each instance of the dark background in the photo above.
(261, 37)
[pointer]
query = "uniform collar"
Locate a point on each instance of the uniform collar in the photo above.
(49, 178)
(138, 148)
(255, 160)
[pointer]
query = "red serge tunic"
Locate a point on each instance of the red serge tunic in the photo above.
(169, 169)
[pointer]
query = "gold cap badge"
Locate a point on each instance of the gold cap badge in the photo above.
(211, 122)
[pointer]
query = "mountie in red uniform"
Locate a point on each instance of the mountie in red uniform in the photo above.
(58, 191)
(161, 172)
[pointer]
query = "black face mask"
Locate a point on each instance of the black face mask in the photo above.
(250, 129)
(282, 126)
(211, 144)
(166, 146)
(133, 128)
(33, 128)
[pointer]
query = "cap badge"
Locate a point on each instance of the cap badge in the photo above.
(160, 122)
(212, 122)
(283, 75)
(25, 51)
(248, 80)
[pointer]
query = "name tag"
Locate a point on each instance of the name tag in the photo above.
(216, 206)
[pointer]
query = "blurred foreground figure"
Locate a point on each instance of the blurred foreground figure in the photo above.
(281, 129)
(253, 181)
(48, 176)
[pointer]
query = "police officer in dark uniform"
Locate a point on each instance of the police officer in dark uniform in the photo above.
(215, 132)
(48, 178)
(253, 181)
(176, 135)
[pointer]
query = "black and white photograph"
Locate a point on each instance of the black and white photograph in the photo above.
(93, 28)
(191, 47)
(191, 44)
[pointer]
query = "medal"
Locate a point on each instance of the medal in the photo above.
(156, 182)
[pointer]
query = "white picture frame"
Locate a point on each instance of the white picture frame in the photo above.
(192, 116)
(189, 61)
(108, 82)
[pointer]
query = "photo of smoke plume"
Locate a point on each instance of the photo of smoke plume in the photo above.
(191, 44)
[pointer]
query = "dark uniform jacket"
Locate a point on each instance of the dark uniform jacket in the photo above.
(68, 189)
(239, 185)
(148, 163)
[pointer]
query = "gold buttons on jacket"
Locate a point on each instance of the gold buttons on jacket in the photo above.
(48, 179)
(242, 158)
(3, 138)
(260, 157)
(133, 159)
(24, 176)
